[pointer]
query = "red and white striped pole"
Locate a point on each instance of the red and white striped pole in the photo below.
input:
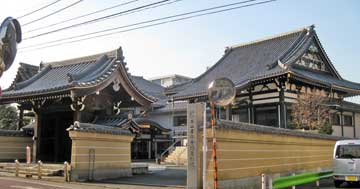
(214, 154)
(221, 92)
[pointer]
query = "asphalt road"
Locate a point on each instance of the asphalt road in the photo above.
(173, 177)
(20, 183)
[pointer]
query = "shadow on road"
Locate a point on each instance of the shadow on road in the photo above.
(157, 176)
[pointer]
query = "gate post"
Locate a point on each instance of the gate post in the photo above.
(194, 122)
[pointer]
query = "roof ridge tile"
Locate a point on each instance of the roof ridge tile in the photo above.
(80, 60)
(277, 36)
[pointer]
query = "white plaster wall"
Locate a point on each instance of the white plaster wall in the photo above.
(267, 95)
(164, 120)
(336, 130)
(348, 131)
(235, 117)
(357, 124)
(291, 95)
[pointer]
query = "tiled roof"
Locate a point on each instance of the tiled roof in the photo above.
(85, 73)
(260, 60)
(122, 122)
(148, 87)
(25, 72)
(114, 121)
(350, 106)
(153, 123)
(61, 76)
(94, 128)
(241, 63)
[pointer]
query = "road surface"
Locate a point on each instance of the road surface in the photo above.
(326, 184)
(22, 183)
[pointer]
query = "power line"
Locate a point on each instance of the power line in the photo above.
(95, 20)
(91, 33)
(39, 9)
(62, 9)
(84, 15)
(138, 23)
(160, 23)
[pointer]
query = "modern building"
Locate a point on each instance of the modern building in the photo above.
(170, 80)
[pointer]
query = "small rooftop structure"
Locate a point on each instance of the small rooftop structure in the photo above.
(170, 80)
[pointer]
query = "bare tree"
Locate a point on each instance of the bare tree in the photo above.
(311, 113)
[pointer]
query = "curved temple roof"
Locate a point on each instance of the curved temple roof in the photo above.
(267, 58)
(83, 76)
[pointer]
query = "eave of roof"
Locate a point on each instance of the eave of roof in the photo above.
(349, 106)
(310, 77)
(81, 77)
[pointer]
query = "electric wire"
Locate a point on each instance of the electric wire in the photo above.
(55, 12)
(94, 20)
(39, 9)
(101, 31)
(151, 25)
(82, 16)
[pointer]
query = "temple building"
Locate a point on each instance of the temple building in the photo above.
(269, 76)
(93, 91)
(97, 93)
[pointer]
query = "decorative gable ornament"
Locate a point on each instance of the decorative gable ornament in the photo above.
(312, 59)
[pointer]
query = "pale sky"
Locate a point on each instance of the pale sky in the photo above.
(188, 47)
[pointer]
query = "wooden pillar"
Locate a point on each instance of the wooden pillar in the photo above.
(282, 107)
(149, 149)
(36, 137)
(251, 106)
(353, 123)
(155, 149)
(77, 115)
(342, 123)
(228, 112)
(21, 118)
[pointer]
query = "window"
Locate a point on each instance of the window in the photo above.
(180, 120)
(348, 151)
(221, 113)
(348, 120)
(335, 119)
(241, 115)
(244, 115)
(266, 116)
